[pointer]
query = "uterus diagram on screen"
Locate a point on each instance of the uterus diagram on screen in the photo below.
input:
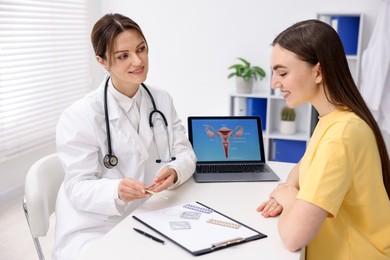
(225, 134)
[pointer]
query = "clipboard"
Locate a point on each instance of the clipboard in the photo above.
(198, 228)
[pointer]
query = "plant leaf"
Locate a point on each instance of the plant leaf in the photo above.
(231, 75)
(246, 63)
(247, 71)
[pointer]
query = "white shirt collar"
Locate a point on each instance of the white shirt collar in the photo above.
(124, 101)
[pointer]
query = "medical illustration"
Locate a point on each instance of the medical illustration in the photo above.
(225, 133)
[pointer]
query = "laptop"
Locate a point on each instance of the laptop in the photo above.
(229, 149)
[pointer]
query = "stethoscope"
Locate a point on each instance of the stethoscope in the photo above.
(110, 160)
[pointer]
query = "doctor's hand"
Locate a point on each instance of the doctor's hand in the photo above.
(129, 190)
(164, 179)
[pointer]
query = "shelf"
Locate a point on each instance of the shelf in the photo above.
(256, 93)
(352, 57)
(298, 136)
(275, 96)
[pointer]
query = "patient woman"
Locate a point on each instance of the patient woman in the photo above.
(336, 199)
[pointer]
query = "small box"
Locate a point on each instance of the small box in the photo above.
(288, 150)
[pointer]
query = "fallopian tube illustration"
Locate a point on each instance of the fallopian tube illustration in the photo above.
(225, 133)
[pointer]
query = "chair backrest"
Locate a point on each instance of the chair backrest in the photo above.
(42, 183)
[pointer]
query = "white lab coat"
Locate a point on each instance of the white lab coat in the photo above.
(375, 69)
(87, 203)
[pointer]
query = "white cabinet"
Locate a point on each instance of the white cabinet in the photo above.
(268, 105)
(350, 30)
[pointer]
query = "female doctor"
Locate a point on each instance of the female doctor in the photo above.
(117, 143)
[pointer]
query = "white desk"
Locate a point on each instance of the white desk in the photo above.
(238, 200)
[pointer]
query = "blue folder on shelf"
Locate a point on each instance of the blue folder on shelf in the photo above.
(257, 107)
(288, 150)
(348, 29)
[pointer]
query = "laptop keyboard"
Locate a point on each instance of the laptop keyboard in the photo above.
(229, 168)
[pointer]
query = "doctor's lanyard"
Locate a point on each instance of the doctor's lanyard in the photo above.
(110, 160)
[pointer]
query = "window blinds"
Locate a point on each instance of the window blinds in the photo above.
(44, 67)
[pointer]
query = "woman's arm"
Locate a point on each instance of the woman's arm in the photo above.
(293, 176)
(299, 220)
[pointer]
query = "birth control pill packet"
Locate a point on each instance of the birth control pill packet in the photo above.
(158, 194)
(223, 223)
(198, 208)
(191, 215)
(179, 225)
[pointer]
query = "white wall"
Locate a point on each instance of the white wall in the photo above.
(192, 42)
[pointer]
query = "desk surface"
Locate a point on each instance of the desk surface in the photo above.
(238, 200)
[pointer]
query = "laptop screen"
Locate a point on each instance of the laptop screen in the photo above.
(226, 139)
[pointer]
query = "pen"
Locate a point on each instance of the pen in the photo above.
(149, 236)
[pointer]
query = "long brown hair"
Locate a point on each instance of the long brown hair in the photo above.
(316, 42)
(106, 29)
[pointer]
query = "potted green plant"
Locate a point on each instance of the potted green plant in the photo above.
(287, 121)
(245, 75)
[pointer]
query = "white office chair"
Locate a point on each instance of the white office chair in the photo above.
(42, 183)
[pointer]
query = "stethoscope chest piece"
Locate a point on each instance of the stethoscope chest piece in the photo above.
(110, 161)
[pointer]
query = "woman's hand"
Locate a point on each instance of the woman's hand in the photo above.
(129, 190)
(163, 180)
(285, 194)
(270, 208)
(282, 197)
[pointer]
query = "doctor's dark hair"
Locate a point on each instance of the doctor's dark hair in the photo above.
(105, 31)
(313, 42)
